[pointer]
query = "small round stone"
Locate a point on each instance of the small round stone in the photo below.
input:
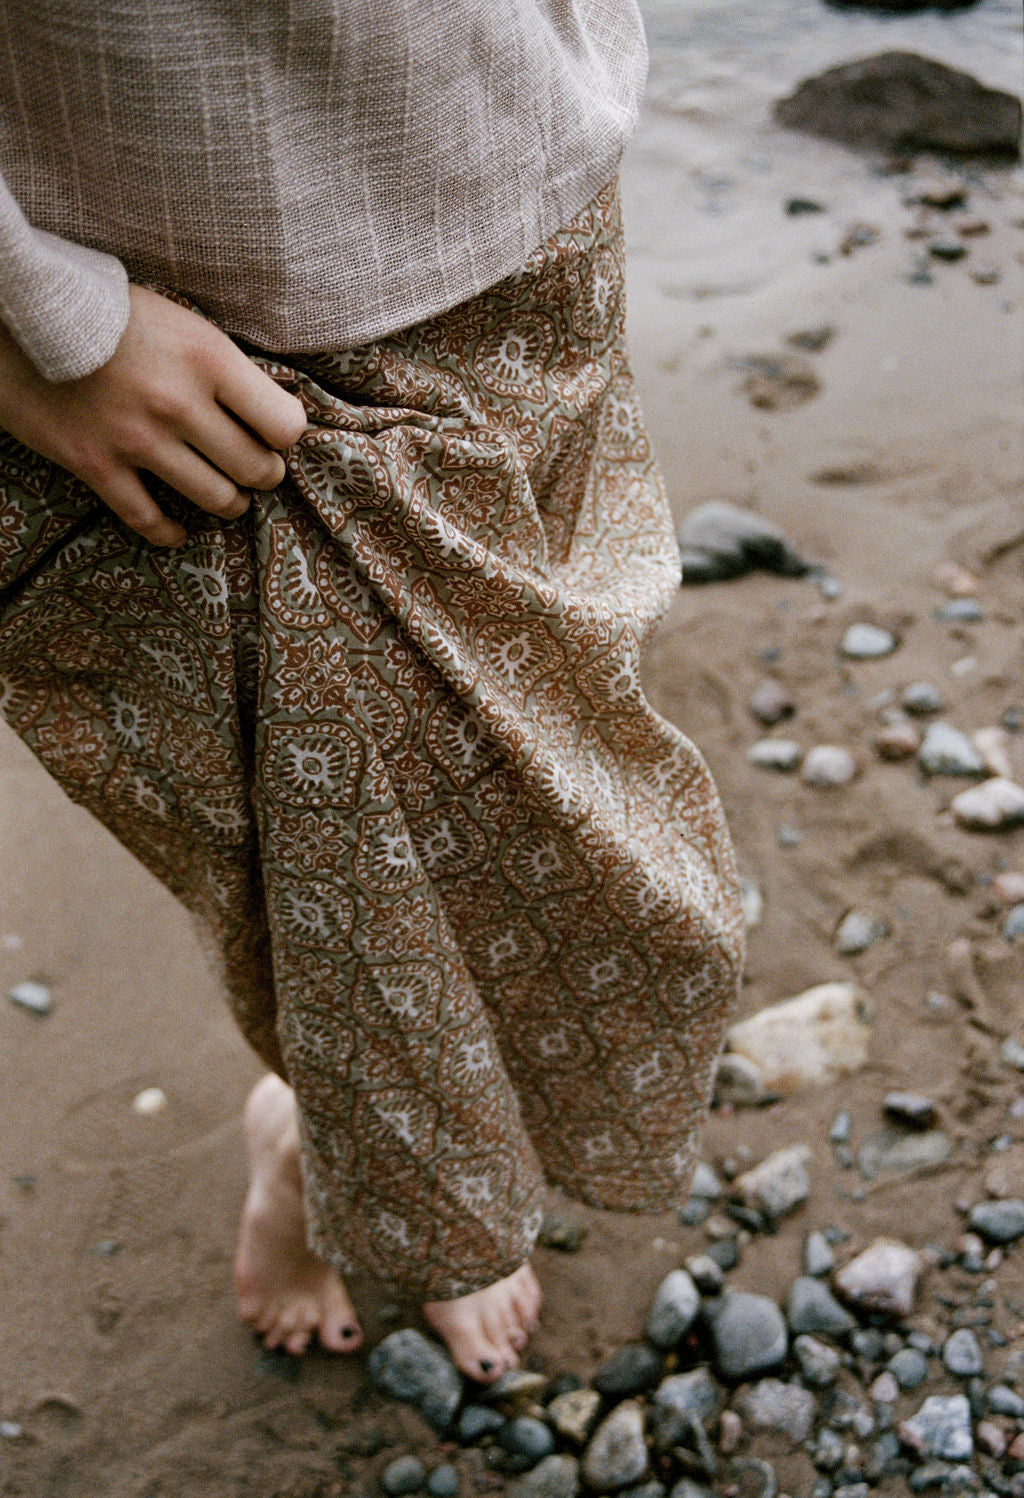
(961, 1354)
(819, 1364)
(1013, 926)
(476, 1421)
(998, 1221)
(867, 642)
(771, 702)
(909, 1368)
(961, 611)
(630, 1369)
(526, 1438)
(818, 1256)
(406, 1474)
(921, 699)
(783, 755)
(828, 767)
(443, 1481)
(149, 1101)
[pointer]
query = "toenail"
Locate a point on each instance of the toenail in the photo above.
(348, 1332)
(486, 1365)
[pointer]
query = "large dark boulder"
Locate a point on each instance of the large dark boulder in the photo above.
(902, 102)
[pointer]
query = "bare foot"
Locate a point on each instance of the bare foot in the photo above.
(487, 1330)
(284, 1291)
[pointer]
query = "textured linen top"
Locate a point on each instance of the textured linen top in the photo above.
(312, 173)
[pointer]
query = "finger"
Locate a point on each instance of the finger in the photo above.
(191, 475)
(250, 394)
(230, 447)
(127, 496)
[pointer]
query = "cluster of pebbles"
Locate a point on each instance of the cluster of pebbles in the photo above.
(843, 1372)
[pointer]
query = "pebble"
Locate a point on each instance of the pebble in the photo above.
(1013, 926)
(999, 1221)
(947, 751)
(783, 755)
(705, 1273)
(476, 1421)
(554, 1477)
(828, 767)
(562, 1233)
(993, 744)
(705, 1182)
(726, 1254)
(719, 541)
(730, 1432)
(1012, 1052)
(149, 1101)
(828, 1451)
(857, 931)
(961, 1354)
(574, 1414)
(751, 903)
(817, 1255)
(921, 699)
(911, 1108)
(748, 1334)
(35, 997)
(884, 1389)
(408, 1367)
(985, 275)
(867, 642)
(779, 1184)
(883, 1278)
(941, 1428)
(678, 1401)
(811, 1307)
(10, 1430)
(526, 1440)
(443, 1481)
(954, 580)
(892, 1151)
(1008, 886)
(617, 1453)
(947, 249)
(771, 702)
(841, 1127)
(819, 1364)
(813, 1038)
(961, 611)
(995, 804)
(787, 1409)
(1002, 1400)
(673, 1310)
(406, 1474)
(897, 741)
(738, 1081)
(751, 1477)
(517, 1386)
(629, 1370)
(909, 1367)
(990, 1438)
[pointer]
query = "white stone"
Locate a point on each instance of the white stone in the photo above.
(987, 807)
(149, 1101)
(941, 1428)
(867, 642)
(674, 1309)
(993, 744)
(33, 996)
(813, 1038)
(573, 1414)
(779, 1184)
(882, 1278)
(828, 766)
(947, 751)
(738, 1081)
(775, 754)
(751, 903)
(617, 1454)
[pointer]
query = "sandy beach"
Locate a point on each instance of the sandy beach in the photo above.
(894, 448)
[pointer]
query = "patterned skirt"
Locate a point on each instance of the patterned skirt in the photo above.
(385, 737)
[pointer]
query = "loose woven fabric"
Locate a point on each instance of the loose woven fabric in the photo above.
(385, 736)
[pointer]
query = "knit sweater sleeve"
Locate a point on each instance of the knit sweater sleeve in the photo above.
(65, 305)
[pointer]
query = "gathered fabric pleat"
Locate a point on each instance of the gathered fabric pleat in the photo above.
(385, 737)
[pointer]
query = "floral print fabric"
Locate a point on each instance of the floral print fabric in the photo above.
(385, 737)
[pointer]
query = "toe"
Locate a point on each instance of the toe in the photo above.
(343, 1336)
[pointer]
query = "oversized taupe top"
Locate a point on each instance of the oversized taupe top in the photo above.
(312, 173)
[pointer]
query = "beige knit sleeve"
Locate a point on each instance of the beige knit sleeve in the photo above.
(66, 305)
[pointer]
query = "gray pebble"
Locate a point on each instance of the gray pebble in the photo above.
(725, 1253)
(719, 541)
(10, 1430)
(695, 1211)
(961, 1354)
(673, 1310)
(678, 1401)
(1005, 1401)
(911, 1108)
(629, 1370)
(947, 751)
(819, 1363)
(852, 1490)
(1013, 927)
(881, 1456)
(526, 1439)
(998, 1221)
(784, 1408)
(828, 1450)
(406, 1366)
(841, 1127)
(890, 1151)
(687, 1488)
(705, 1273)
(811, 1307)
(779, 1184)
(771, 702)
(738, 1081)
(859, 930)
(617, 1454)
(941, 1428)
(882, 1278)
(751, 1477)
(705, 1183)
(574, 1414)
(961, 611)
(909, 1368)
(406, 1474)
(818, 1256)
(644, 1490)
(554, 1477)
(921, 699)
(783, 755)
(748, 1333)
(443, 1481)
(867, 642)
(828, 766)
(476, 1421)
(563, 1233)
(35, 997)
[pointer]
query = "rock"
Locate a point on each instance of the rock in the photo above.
(705, 1183)
(961, 1354)
(811, 1307)
(751, 1477)
(406, 1474)
(1008, 886)
(897, 741)
(35, 997)
(903, 102)
(1004, 1176)
(573, 1414)
(1004, 1401)
(779, 1184)
(779, 382)
(687, 1488)
(812, 340)
(738, 1081)
(1012, 1052)
(516, 1387)
(828, 766)
(947, 751)
(995, 804)
(884, 1389)
(957, 610)
(991, 1438)
(883, 1278)
(562, 1233)
(673, 1310)
(617, 1454)
(941, 1428)
(751, 903)
(554, 1477)
(921, 699)
(993, 744)
(705, 1273)
(999, 1221)
(443, 1481)
(720, 541)
(149, 1101)
(911, 1108)
(406, 1366)
(818, 1256)
(771, 702)
(890, 1151)
(783, 755)
(748, 1334)
(786, 1409)
(908, 1367)
(679, 1401)
(960, 611)
(857, 931)
(476, 1421)
(819, 1363)
(863, 642)
(629, 1370)
(1013, 926)
(526, 1440)
(797, 206)
(841, 1127)
(813, 1038)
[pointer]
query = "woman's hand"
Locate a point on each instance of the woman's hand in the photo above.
(178, 400)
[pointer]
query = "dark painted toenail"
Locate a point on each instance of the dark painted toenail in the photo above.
(348, 1332)
(486, 1365)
